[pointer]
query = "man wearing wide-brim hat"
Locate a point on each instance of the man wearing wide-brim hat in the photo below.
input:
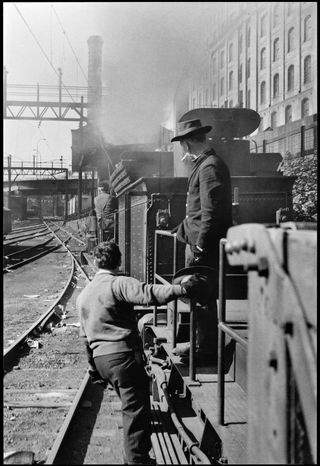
(208, 217)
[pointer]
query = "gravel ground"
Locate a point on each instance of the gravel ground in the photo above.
(51, 373)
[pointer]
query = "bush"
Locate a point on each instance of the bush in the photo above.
(304, 190)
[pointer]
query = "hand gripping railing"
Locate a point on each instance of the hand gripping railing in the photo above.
(192, 362)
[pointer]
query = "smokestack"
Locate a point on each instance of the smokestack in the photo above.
(94, 77)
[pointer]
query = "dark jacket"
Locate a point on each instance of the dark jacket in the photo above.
(209, 203)
(105, 205)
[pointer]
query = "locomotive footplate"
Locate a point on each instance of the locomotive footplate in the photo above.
(218, 442)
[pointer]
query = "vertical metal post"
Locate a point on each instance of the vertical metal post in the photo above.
(221, 334)
(155, 321)
(92, 190)
(80, 192)
(127, 233)
(81, 161)
(5, 72)
(175, 303)
(192, 368)
(174, 323)
(60, 91)
(38, 99)
(9, 181)
(34, 163)
(67, 197)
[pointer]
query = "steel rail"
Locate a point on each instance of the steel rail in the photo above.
(31, 259)
(31, 227)
(21, 239)
(41, 324)
(27, 230)
(54, 451)
(66, 231)
(12, 254)
(11, 352)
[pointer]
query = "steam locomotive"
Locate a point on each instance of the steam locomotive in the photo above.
(258, 405)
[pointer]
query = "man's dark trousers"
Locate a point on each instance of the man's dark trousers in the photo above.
(125, 371)
(207, 317)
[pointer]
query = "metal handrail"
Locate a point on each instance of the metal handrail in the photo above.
(223, 329)
(192, 361)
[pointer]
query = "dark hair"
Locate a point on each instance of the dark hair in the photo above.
(108, 255)
(105, 186)
(198, 137)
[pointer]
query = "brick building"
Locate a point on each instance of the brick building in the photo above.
(261, 56)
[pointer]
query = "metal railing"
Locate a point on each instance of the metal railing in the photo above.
(192, 303)
(223, 329)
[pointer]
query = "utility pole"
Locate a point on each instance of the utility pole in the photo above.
(66, 198)
(80, 163)
(9, 181)
(92, 190)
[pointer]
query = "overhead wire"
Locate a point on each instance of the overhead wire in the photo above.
(56, 72)
(42, 50)
(74, 53)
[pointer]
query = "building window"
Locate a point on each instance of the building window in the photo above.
(222, 59)
(276, 15)
(240, 73)
(214, 92)
(200, 100)
(248, 98)
(194, 102)
(222, 86)
(263, 92)
(230, 80)
(307, 69)
(248, 67)
(240, 42)
(291, 37)
(288, 114)
(307, 28)
(263, 25)
(290, 78)
(248, 38)
(207, 97)
(276, 49)
(230, 103)
(304, 108)
(273, 120)
(230, 52)
(241, 99)
(276, 85)
(263, 54)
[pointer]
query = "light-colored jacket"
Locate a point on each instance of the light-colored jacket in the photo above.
(106, 310)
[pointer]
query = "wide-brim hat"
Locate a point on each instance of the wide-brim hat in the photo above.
(211, 276)
(189, 128)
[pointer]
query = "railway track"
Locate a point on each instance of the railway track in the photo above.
(44, 368)
(46, 377)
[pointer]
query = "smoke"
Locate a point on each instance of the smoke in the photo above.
(148, 49)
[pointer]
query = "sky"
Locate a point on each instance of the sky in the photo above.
(148, 47)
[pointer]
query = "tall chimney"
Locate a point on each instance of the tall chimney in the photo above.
(94, 77)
